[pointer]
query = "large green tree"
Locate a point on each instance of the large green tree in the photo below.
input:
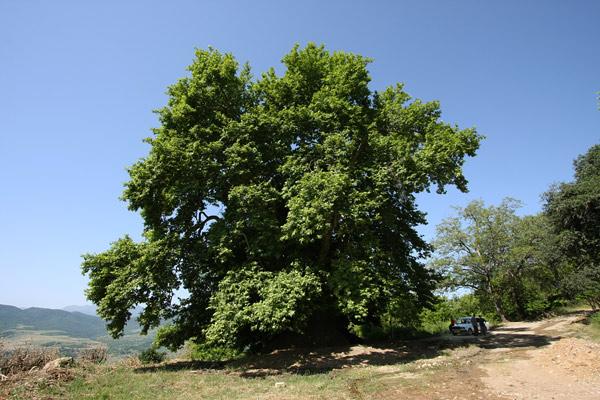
(474, 246)
(530, 280)
(275, 202)
(511, 263)
(574, 210)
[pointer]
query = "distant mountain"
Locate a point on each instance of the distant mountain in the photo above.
(70, 331)
(91, 310)
(85, 309)
(69, 323)
(73, 324)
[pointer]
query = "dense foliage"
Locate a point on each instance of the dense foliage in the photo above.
(437, 319)
(277, 202)
(151, 356)
(574, 211)
(510, 263)
(523, 266)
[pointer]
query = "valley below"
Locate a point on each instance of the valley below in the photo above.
(67, 331)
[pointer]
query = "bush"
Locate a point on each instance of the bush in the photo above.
(369, 332)
(206, 352)
(593, 326)
(95, 355)
(437, 320)
(130, 361)
(388, 331)
(152, 356)
(23, 359)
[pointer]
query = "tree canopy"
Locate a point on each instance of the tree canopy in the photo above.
(574, 211)
(511, 263)
(474, 246)
(273, 202)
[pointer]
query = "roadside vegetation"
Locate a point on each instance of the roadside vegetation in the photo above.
(123, 382)
(592, 329)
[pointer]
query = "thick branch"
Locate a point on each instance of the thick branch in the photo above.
(199, 226)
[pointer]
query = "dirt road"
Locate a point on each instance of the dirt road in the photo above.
(525, 360)
(547, 363)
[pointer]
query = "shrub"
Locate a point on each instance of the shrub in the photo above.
(437, 319)
(152, 356)
(370, 332)
(592, 330)
(130, 361)
(95, 355)
(23, 359)
(206, 352)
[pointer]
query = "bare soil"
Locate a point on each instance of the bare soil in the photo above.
(525, 360)
(566, 368)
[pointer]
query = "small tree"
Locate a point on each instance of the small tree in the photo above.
(514, 264)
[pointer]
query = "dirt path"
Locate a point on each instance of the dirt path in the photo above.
(565, 367)
(526, 360)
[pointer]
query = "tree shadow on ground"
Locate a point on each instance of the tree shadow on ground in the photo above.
(323, 360)
(179, 365)
(507, 340)
(511, 329)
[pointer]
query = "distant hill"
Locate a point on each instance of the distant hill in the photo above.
(68, 330)
(91, 310)
(85, 309)
(69, 323)
(74, 324)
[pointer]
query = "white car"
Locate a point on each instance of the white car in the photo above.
(464, 325)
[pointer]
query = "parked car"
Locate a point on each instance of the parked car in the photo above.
(463, 325)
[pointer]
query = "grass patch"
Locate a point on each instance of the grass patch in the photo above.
(571, 308)
(133, 382)
(121, 382)
(593, 329)
(204, 375)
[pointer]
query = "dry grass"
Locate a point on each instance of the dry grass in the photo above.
(94, 355)
(593, 328)
(25, 359)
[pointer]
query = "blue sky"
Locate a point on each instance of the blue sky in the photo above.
(79, 80)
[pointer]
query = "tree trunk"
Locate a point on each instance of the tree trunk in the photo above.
(519, 303)
(496, 302)
(326, 243)
(499, 310)
(517, 295)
